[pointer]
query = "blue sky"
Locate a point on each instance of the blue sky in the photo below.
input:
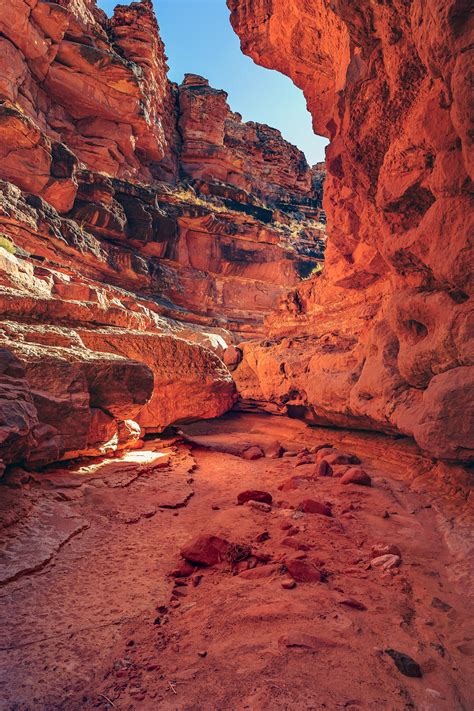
(200, 40)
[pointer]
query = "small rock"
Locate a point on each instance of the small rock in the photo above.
(206, 550)
(318, 447)
(356, 475)
(334, 456)
(324, 452)
(273, 449)
(286, 525)
(436, 602)
(262, 537)
(355, 604)
(386, 562)
(184, 570)
(294, 481)
(290, 454)
(259, 506)
(292, 531)
(260, 572)
(303, 571)
(307, 642)
(253, 453)
(323, 468)
(215, 507)
(434, 694)
(405, 664)
(339, 470)
(196, 580)
(294, 543)
(305, 459)
(254, 495)
(232, 357)
(380, 549)
(314, 507)
(288, 584)
(202, 654)
(385, 514)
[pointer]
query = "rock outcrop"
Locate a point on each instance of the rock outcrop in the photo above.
(383, 339)
(137, 237)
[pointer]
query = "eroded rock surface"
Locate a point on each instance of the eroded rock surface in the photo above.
(384, 338)
(136, 236)
(119, 616)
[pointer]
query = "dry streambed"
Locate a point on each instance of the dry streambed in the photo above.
(200, 574)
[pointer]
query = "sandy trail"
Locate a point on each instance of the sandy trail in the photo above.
(90, 620)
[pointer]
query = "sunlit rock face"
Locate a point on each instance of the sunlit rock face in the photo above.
(138, 237)
(383, 339)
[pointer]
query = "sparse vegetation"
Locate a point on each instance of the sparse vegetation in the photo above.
(316, 270)
(7, 244)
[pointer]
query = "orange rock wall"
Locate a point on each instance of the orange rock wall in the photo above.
(384, 338)
(121, 259)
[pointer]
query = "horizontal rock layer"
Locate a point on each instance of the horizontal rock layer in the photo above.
(142, 224)
(383, 339)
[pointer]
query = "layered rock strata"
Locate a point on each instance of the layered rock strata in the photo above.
(136, 237)
(383, 339)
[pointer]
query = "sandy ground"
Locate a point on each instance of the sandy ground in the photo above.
(90, 617)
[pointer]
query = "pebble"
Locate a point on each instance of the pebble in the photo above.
(197, 580)
(355, 604)
(288, 584)
(386, 562)
(259, 506)
(405, 664)
(203, 653)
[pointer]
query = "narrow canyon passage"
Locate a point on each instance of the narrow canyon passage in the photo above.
(296, 617)
(236, 378)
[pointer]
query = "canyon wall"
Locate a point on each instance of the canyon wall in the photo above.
(383, 339)
(137, 235)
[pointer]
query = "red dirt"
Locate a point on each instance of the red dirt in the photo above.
(100, 627)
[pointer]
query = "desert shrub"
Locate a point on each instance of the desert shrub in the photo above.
(7, 244)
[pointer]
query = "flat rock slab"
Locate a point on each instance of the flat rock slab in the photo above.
(115, 472)
(31, 544)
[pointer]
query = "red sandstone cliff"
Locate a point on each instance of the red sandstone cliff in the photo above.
(135, 233)
(384, 338)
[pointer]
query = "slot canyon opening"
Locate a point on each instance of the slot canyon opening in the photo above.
(236, 386)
